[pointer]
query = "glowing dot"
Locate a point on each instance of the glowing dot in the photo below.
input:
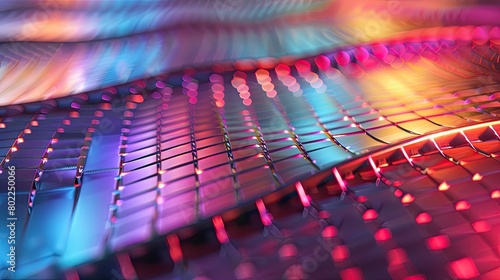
(381, 118)
(342, 58)
(199, 171)
(161, 185)
(423, 218)
(383, 234)
(438, 242)
(370, 214)
(397, 256)
(27, 131)
(464, 268)
(322, 62)
(13, 149)
(353, 273)
(398, 193)
(462, 205)
(477, 177)
(481, 226)
(407, 198)
(346, 118)
(495, 194)
(362, 199)
(247, 102)
(220, 103)
(159, 200)
(2, 125)
(340, 253)
(119, 202)
(287, 250)
(353, 125)
(329, 231)
(361, 54)
(20, 140)
(380, 51)
(443, 187)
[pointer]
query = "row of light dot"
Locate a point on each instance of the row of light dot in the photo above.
(240, 84)
(190, 88)
(218, 90)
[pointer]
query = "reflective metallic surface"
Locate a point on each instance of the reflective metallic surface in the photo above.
(235, 154)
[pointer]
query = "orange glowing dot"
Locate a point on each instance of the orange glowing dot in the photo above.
(495, 194)
(27, 131)
(49, 150)
(199, 171)
(2, 125)
(74, 114)
(34, 123)
(161, 185)
(407, 198)
(443, 187)
(462, 205)
(20, 140)
(220, 103)
(423, 218)
(477, 177)
(13, 149)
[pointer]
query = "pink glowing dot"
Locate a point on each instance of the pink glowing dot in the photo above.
(361, 54)
(247, 102)
(462, 205)
(383, 234)
(481, 226)
(303, 66)
(287, 250)
(271, 94)
(379, 50)
(398, 193)
(397, 256)
(159, 200)
(495, 35)
(464, 268)
(282, 70)
(370, 214)
(342, 58)
(322, 62)
(480, 35)
(340, 253)
(423, 218)
(353, 273)
(329, 231)
(438, 242)
(362, 199)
